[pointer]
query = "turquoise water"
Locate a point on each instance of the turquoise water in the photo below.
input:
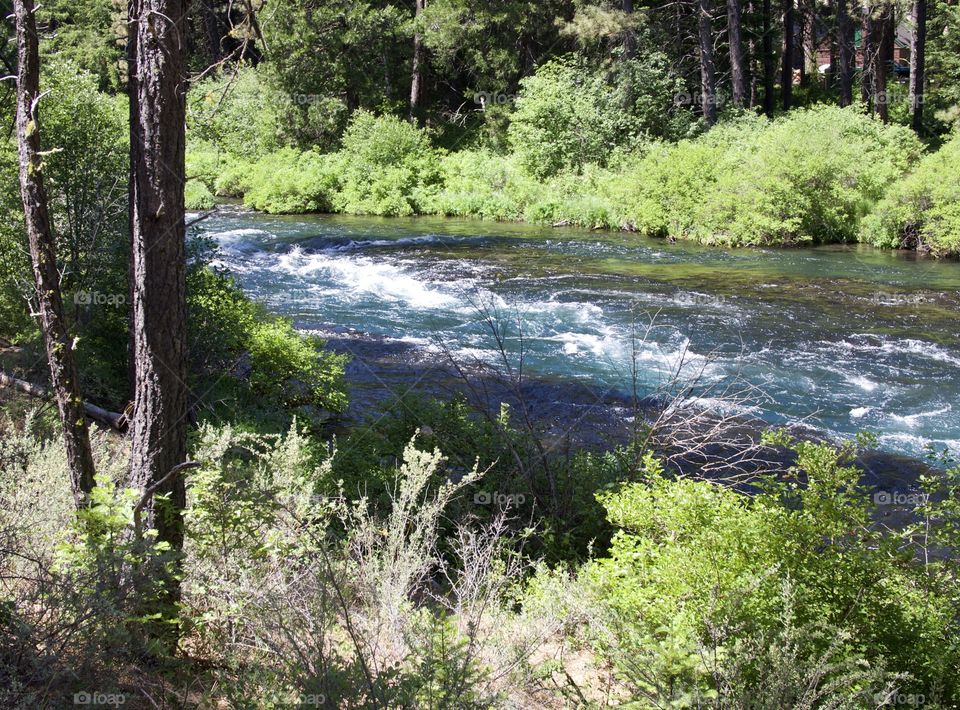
(847, 338)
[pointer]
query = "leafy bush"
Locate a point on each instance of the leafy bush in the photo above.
(237, 112)
(922, 211)
(73, 593)
(267, 555)
(197, 196)
(292, 367)
(569, 115)
(697, 566)
(387, 165)
(810, 176)
(289, 181)
(230, 334)
(482, 184)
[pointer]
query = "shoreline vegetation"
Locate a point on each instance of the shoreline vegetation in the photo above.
(812, 176)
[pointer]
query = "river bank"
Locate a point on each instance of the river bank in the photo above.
(816, 176)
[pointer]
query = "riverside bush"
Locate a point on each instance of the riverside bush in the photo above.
(291, 181)
(387, 166)
(811, 176)
(697, 566)
(568, 115)
(281, 368)
(922, 210)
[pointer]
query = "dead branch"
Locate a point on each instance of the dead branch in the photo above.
(116, 421)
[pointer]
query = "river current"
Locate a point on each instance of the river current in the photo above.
(844, 338)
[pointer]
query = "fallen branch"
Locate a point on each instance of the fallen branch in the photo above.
(114, 420)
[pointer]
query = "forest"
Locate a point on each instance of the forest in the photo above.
(505, 354)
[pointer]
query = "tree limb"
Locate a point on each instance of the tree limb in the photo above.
(114, 420)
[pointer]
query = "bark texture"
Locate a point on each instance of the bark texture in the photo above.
(46, 275)
(738, 64)
(157, 133)
(884, 62)
(845, 53)
(419, 60)
(768, 67)
(918, 48)
(786, 69)
(708, 80)
(868, 43)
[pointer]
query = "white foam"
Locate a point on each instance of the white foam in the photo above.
(363, 275)
(359, 244)
(914, 444)
(912, 420)
(900, 346)
(864, 383)
(599, 345)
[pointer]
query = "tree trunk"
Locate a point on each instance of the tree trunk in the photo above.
(884, 63)
(59, 345)
(629, 36)
(768, 67)
(157, 137)
(416, 82)
(133, 117)
(918, 47)
(738, 68)
(751, 58)
(869, 59)
(786, 72)
(845, 53)
(811, 70)
(212, 31)
(708, 80)
(800, 30)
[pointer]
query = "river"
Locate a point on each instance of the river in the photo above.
(845, 338)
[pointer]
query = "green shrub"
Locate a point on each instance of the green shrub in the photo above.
(478, 183)
(811, 176)
(197, 196)
(696, 566)
(569, 115)
(292, 182)
(237, 111)
(922, 211)
(291, 367)
(240, 352)
(387, 166)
